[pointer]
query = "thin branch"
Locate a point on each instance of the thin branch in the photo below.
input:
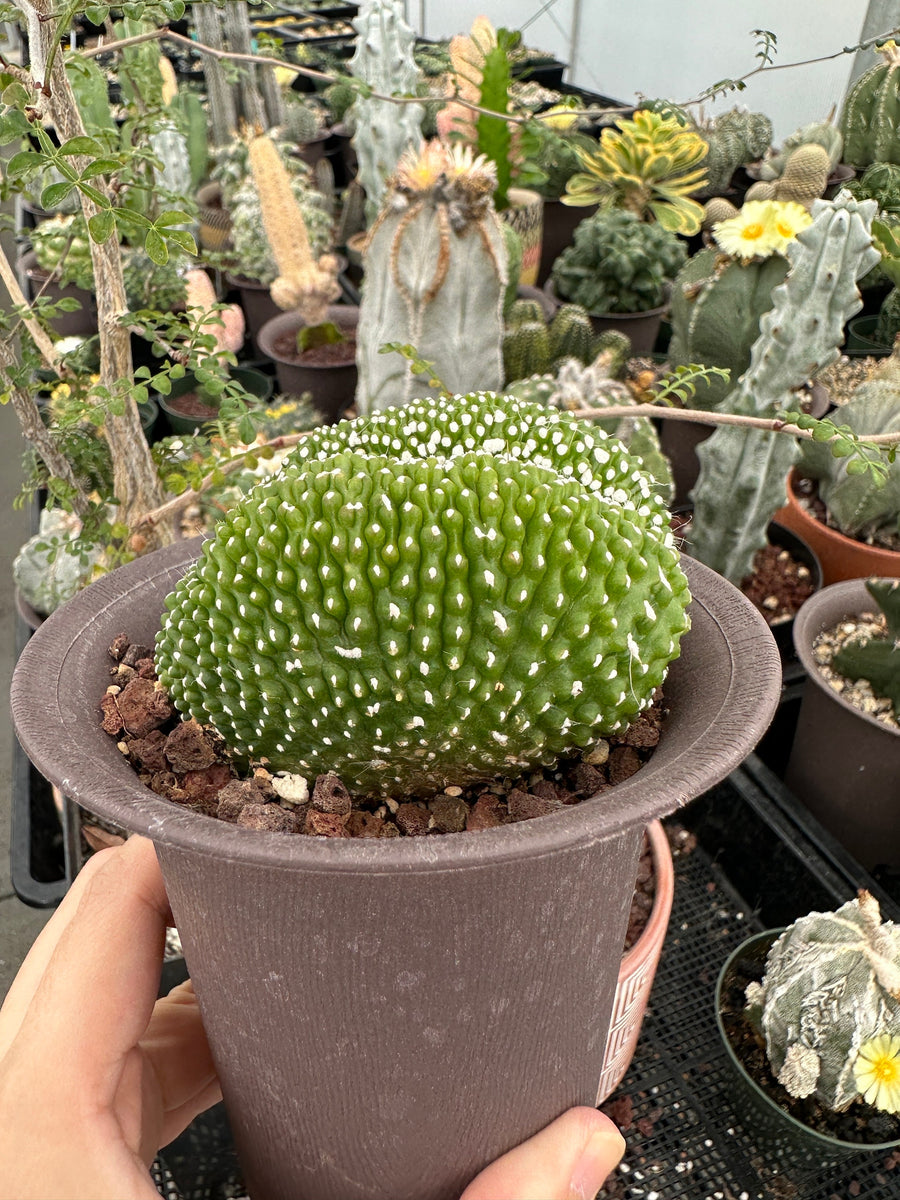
(39, 335)
(105, 48)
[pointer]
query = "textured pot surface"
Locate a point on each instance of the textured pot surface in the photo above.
(844, 764)
(841, 557)
(387, 1017)
(526, 215)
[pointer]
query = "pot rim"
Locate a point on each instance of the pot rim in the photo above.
(840, 539)
(760, 1093)
(345, 315)
(847, 598)
(52, 727)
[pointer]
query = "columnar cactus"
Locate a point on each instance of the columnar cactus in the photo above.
(877, 659)
(832, 983)
(820, 133)
(435, 278)
(743, 471)
(803, 180)
(733, 139)
(888, 318)
(871, 113)
(531, 346)
(383, 59)
(435, 594)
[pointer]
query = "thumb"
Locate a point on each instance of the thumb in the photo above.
(569, 1160)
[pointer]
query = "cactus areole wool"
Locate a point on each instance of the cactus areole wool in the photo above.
(456, 589)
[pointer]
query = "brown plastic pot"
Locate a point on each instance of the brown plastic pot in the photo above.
(332, 387)
(387, 1017)
(638, 969)
(844, 764)
(841, 557)
(560, 222)
(642, 328)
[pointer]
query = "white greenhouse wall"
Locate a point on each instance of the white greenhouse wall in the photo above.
(677, 48)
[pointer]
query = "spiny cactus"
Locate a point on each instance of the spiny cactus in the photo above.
(531, 346)
(302, 123)
(617, 263)
(871, 114)
(733, 139)
(526, 350)
(525, 310)
(832, 983)
(743, 471)
(436, 594)
(61, 244)
(251, 254)
(877, 659)
(820, 133)
(383, 60)
(803, 180)
(571, 334)
(435, 278)
(857, 504)
(650, 165)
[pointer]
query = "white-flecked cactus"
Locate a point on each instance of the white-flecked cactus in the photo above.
(832, 983)
(433, 595)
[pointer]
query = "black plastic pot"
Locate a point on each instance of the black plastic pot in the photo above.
(332, 387)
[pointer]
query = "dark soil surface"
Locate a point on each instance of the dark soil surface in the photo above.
(860, 1123)
(807, 491)
(189, 404)
(332, 354)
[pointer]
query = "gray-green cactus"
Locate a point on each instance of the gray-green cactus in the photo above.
(819, 133)
(859, 506)
(871, 113)
(431, 595)
(888, 318)
(733, 139)
(832, 983)
(743, 471)
(44, 571)
(877, 659)
(383, 60)
(435, 276)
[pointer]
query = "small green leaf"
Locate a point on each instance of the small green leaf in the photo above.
(55, 194)
(21, 163)
(100, 166)
(81, 145)
(857, 466)
(171, 217)
(97, 13)
(841, 448)
(326, 334)
(101, 225)
(68, 304)
(182, 238)
(176, 484)
(15, 95)
(163, 384)
(156, 247)
(822, 431)
(246, 430)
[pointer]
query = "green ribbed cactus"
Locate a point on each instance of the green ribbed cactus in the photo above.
(571, 334)
(532, 347)
(733, 139)
(820, 133)
(383, 60)
(429, 596)
(526, 350)
(877, 659)
(524, 310)
(302, 123)
(435, 278)
(743, 471)
(858, 505)
(832, 984)
(871, 114)
(716, 307)
(888, 318)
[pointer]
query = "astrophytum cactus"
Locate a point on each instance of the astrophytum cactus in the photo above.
(433, 595)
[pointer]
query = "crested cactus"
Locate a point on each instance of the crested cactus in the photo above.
(877, 659)
(430, 596)
(871, 113)
(799, 335)
(820, 133)
(831, 985)
(618, 263)
(858, 505)
(435, 278)
(383, 60)
(733, 139)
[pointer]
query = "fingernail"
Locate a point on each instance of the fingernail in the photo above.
(599, 1157)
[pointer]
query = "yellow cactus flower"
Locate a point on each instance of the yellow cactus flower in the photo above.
(877, 1072)
(788, 218)
(750, 234)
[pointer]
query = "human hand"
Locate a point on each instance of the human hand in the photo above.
(96, 1073)
(95, 1076)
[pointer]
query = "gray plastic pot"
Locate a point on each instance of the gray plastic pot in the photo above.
(844, 764)
(389, 1016)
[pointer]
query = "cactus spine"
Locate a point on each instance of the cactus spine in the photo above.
(871, 113)
(799, 335)
(383, 59)
(877, 659)
(435, 278)
(388, 607)
(832, 983)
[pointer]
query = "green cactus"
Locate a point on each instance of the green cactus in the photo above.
(743, 471)
(879, 182)
(532, 347)
(383, 61)
(871, 114)
(435, 279)
(339, 97)
(526, 350)
(61, 244)
(571, 334)
(717, 303)
(618, 263)
(525, 310)
(616, 347)
(436, 594)
(287, 414)
(888, 318)
(302, 123)
(820, 133)
(513, 243)
(733, 139)
(858, 505)
(877, 659)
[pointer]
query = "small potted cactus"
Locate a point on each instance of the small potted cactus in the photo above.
(810, 1019)
(845, 760)
(434, 593)
(620, 269)
(58, 267)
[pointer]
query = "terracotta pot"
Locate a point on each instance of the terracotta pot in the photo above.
(642, 327)
(637, 970)
(80, 323)
(560, 222)
(841, 557)
(388, 1017)
(215, 220)
(332, 387)
(526, 215)
(844, 764)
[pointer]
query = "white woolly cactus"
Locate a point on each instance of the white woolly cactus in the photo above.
(434, 595)
(832, 985)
